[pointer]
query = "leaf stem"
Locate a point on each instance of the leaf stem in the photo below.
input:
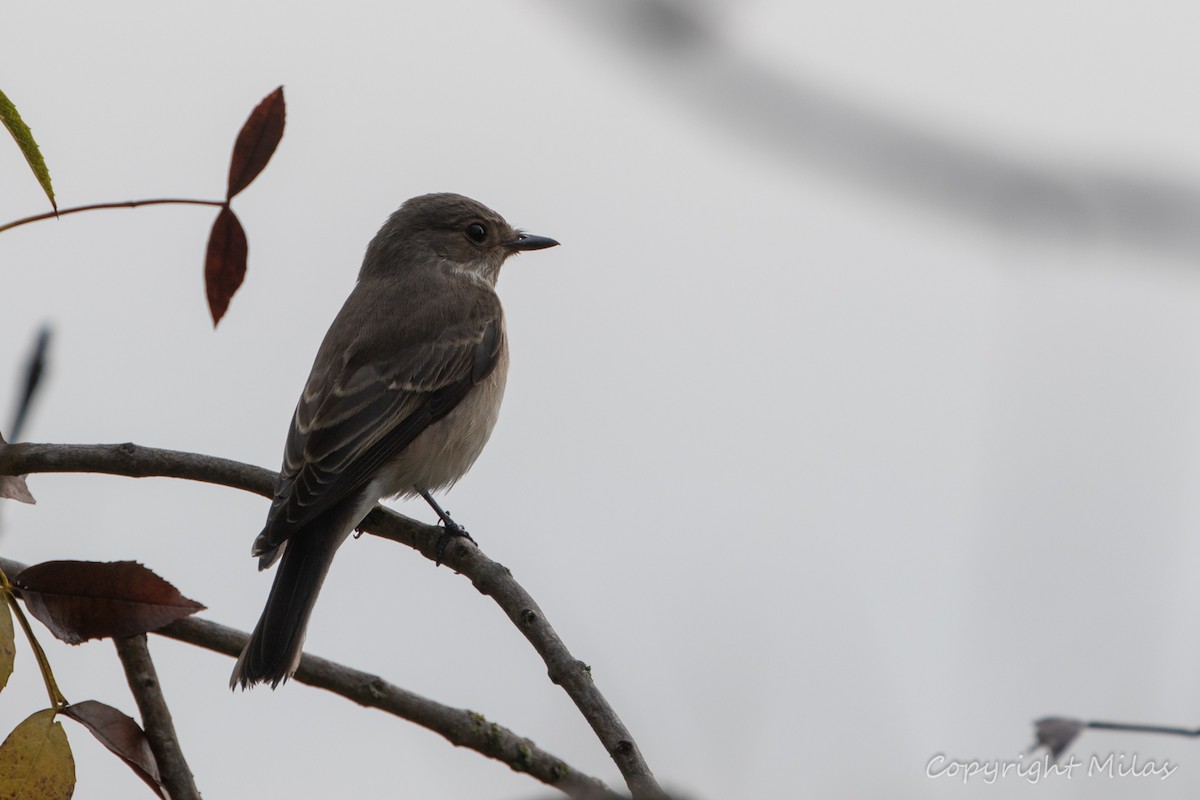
(62, 212)
(56, 697)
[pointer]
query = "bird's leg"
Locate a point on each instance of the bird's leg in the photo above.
(450, 528)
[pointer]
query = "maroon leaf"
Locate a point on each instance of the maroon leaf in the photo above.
(122, 736)
(81, 600)
(224, 263)
(256, 142)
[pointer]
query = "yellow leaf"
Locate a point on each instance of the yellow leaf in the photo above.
(8, 647)
(36, 762)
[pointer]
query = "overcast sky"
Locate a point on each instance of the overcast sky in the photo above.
(856, 421)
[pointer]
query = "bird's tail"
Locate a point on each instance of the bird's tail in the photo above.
(273, 652)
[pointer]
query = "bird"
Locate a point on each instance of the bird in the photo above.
(402, 397)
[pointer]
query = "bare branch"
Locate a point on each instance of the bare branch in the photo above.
(156, 717)
(134, 461)
(463, 556)
(574, 676)
(460, 727)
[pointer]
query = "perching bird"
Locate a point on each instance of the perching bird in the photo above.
(402, 397)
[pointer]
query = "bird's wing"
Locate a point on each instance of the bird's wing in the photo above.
(344, 429)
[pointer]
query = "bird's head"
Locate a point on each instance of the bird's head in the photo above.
(447, 231)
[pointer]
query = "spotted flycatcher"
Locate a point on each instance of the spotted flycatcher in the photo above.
(402, 397)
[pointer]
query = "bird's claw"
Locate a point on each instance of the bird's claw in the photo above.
(450, 530)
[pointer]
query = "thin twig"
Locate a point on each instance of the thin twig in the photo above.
(1133, 728)
(62, 212)
(156, 717)
(8, 596)
(489, 577)
(1057, 734)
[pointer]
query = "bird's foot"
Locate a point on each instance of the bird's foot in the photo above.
(450, 529)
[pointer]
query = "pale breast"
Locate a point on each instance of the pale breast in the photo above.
(445, 450)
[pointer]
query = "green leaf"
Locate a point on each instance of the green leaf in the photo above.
(24, 138)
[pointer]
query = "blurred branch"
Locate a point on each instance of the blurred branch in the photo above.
(142, 677)
(35, 371)
(463, 556)
(678, 44)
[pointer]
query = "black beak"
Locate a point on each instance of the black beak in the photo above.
(527, 241)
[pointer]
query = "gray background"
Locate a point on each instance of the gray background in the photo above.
(856, 420)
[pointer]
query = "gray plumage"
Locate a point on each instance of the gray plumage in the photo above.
(402, 398)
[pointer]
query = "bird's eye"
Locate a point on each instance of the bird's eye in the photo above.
(476, 233)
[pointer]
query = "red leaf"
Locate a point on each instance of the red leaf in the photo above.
(81, 600)
(224, 263)
(122, 736)
(256, 142)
